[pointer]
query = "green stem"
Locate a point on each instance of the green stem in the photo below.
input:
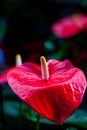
(20, 109)
(2, 120)
(38, 122)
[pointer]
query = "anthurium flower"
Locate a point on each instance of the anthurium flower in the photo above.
(69, 26)
(3, 76)
(54, 90)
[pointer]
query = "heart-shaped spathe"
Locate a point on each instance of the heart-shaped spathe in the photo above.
(55, 99)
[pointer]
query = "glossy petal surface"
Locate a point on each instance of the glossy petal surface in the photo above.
(55, 99)
(3, 76)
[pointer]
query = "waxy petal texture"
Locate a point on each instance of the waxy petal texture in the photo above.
(69, 26)
(3, 76)
(55, 99)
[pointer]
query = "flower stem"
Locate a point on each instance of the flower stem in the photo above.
(38, 122)
(20, 110)
(1, 110)
(44, 68)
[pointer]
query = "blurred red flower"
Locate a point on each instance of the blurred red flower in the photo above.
(69, 26)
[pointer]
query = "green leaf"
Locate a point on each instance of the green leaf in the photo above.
(11, 108)
(71, 128)
(78, 119)
(84, 2)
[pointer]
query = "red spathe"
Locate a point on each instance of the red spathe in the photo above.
(55, 99)
(3, 76)
(69, 26)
